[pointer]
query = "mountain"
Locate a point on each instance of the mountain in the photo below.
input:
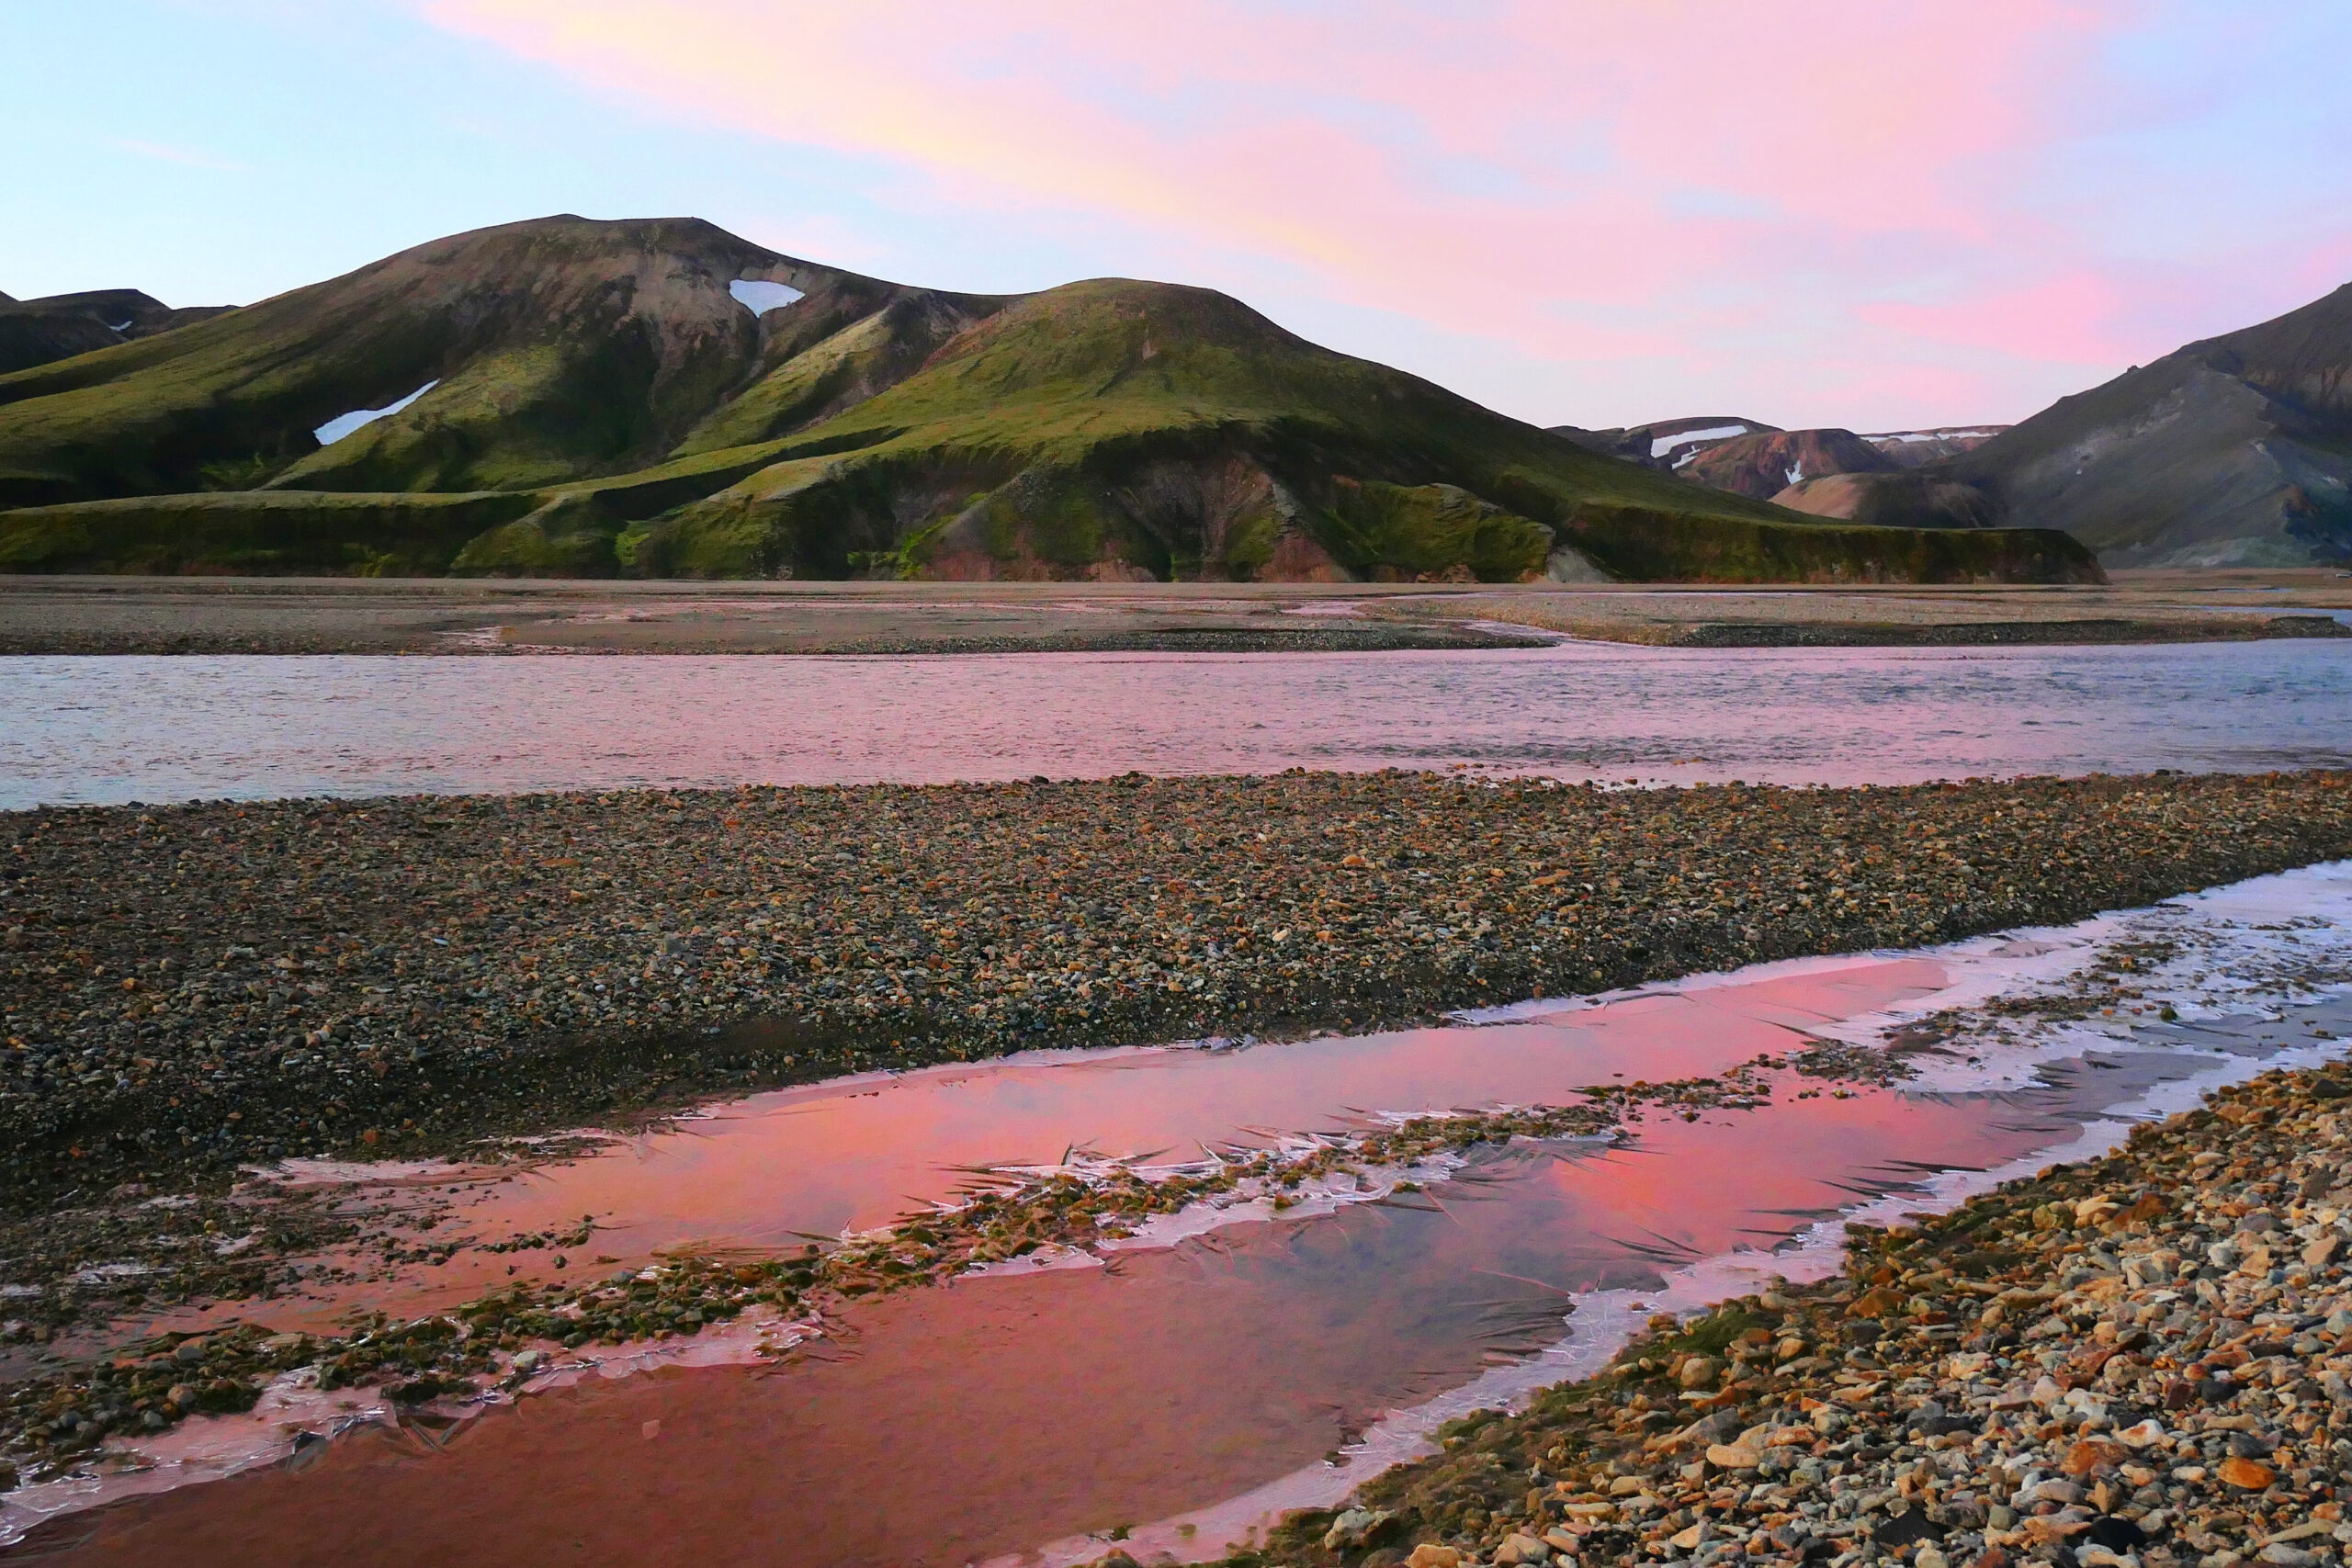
(1666, 446)
(1765, 464)
(659, 396)
(1916, 449)
(2235, 451)
(35, 332)
(2232, 451)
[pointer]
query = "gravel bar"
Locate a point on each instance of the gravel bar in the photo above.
(2140, 1359)
(190, 988)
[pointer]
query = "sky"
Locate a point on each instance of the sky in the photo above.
(1869, 213)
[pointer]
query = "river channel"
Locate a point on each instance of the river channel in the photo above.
(1177, 1389)
(107, 730)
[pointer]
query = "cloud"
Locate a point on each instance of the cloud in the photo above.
(181, 156)
(1857, 183)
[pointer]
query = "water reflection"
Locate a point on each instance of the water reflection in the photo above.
(163, 729)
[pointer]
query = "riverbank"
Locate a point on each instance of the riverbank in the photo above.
(2138, 1359)
(194, 987)
(489, 616)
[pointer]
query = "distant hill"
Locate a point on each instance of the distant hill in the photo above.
(659, 396)
(2235, 451)
(1749, 457)
(1916, 449)
(1668, 444)
(37, 331)
(1765, 464)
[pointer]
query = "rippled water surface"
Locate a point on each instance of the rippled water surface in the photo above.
(95, 730)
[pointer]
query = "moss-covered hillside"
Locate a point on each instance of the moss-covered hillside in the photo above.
(598, 400)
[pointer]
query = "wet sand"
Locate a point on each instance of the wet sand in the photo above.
(64, 615)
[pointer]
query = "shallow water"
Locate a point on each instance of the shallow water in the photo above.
(113, 730)
(1000, 1414)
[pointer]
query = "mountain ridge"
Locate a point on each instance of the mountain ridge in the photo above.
(584, 398)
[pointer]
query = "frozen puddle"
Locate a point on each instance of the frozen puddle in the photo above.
(342, 425)
(1271, 1360)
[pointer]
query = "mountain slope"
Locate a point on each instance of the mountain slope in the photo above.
(2234, 451)
(556, 350)
(38, 332)
(574, 397)
(1765, 464)
(1917, 448)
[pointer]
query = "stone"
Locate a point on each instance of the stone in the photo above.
(2246, 1474)
(1429, 1554)
(1733, 1455)
(2091, 1455)
(1521, 1550)
(2282, 1555)
(1698, 1371)
(1354, 1528)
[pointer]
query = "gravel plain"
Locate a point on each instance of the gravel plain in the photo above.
(187, 988)
(198, 987)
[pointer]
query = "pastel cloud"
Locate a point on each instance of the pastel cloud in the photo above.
(1840, 197)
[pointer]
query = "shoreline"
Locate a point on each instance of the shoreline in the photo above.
(2139, 1359)
(513, 1332)
(471, 617)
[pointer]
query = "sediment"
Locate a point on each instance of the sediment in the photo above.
(190, 988)
(2138, 1359)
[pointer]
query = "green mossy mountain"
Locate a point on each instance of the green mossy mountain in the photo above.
(596, 399)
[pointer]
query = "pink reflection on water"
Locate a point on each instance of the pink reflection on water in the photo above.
(775, 1170)
(950, 1424)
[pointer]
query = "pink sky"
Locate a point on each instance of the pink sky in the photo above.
(1811, 211)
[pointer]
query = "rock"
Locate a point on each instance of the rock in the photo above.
(1699, 1372)
(1355, 1528)
(1878, 1302)
(2089, 1455)
(2246, 1474)
(1521, 1550)
(2282, 1555)
(1733, 1455)
(1429, 1554)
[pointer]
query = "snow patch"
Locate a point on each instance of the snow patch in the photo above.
(759, 298)
(1660, 446)
(342, 425)
(1795, 475)
(1935, 436)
